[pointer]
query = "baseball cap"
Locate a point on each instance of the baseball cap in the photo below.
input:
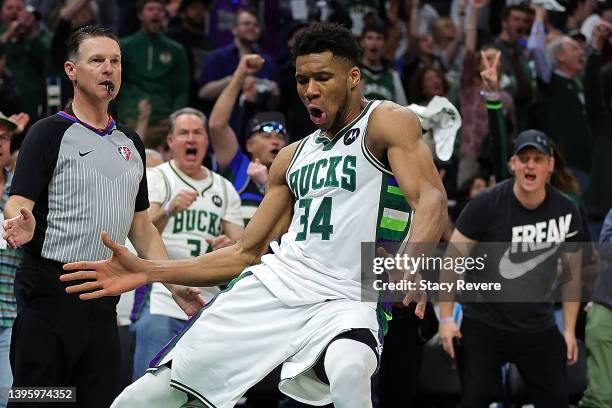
(532, 138)
(6, 121)
(271, 121)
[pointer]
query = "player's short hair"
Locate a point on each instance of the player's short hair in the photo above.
(322, 37)
(185, 111)
(91, 31)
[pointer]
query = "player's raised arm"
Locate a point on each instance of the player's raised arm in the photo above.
(124, 271)
(395, 131)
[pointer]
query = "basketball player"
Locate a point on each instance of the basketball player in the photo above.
(300, 305)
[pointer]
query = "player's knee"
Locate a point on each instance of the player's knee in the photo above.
(142, 393)
(351, 363)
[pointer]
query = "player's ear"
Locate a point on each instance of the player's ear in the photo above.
(70, 69)
(354, 77)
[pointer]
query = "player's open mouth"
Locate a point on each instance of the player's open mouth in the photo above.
(191, 152)
(274, 152)
(317, 116)
(530, 177)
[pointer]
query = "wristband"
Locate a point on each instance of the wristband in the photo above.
(490, 95)
(447, 320)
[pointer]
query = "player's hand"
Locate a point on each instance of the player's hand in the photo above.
(219, 242)
(250, 64)
(418, 296)
(447, 331)
(19, 230)
(490, 75)
(119, 274)
(572, 347)
(189, 299)
(258, 172)
(182, 201)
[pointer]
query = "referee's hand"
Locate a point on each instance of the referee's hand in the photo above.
(19, 230)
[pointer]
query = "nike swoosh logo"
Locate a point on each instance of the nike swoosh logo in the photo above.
(85, 154)
(571, 234)
(513, 270)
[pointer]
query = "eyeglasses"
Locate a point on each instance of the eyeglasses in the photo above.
(269, 127)
(5, 137)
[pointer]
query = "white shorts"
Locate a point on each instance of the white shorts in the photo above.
(245, 332)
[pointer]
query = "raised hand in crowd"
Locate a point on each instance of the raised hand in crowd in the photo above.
(250, 64)
(21, 120)
(249, 89)
(471, 29)
(490, 75)
(144, 114)
(601, 34)
(258, 172)
(181, 202)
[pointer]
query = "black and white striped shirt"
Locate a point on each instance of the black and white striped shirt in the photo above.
(82, 180)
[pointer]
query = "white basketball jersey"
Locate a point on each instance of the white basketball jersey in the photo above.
(186, 232)
(343, 196)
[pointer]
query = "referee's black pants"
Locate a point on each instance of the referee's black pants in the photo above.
(539, 356)
(59, 340)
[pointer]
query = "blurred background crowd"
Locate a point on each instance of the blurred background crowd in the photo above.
(553, 60)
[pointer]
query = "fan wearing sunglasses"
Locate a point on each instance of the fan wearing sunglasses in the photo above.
(265, 136)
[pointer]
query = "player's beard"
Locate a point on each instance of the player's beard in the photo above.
(336, 126)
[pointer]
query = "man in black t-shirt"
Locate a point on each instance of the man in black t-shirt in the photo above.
(517, 211)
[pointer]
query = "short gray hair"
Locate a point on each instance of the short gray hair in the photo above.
(555, 48)
(185, 111)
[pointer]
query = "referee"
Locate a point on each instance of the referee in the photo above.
(79, 172)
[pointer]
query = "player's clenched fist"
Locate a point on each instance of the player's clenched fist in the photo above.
(181, 202)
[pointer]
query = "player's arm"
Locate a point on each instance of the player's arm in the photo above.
(148, 243)
(124, 271)
(396, 132)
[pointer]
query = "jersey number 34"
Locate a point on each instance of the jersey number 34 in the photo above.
(321, 222)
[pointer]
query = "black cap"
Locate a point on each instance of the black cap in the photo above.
(532, 138)
(264, 117)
